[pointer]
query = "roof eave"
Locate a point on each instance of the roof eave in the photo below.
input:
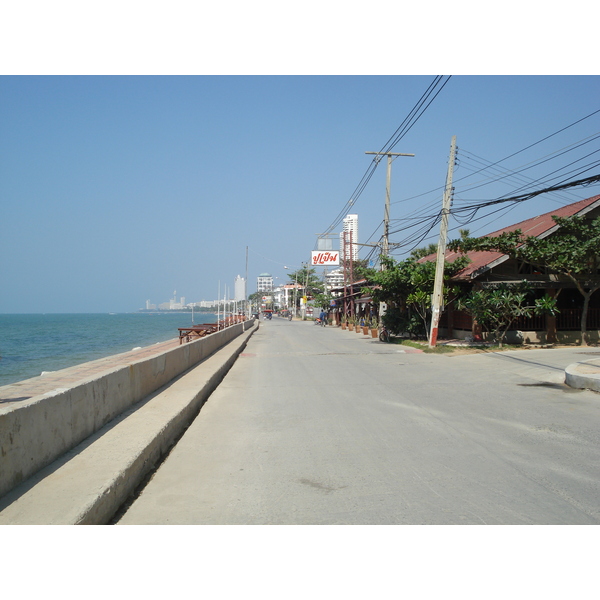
(580, 213)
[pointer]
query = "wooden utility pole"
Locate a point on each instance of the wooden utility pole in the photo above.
(246, 308)
(352, 308)
(345, 260)
(437, 300)
(385, 246)
(386, 214)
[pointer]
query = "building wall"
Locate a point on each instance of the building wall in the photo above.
(264, 282)
(335, 278)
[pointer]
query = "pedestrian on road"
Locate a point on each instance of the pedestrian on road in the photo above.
(323, 317)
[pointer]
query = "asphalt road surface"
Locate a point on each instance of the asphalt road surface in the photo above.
(322, 426)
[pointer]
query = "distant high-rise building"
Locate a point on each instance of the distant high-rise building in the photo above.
(334, 279)
(239, 286)
(264, 282)
(350, 227)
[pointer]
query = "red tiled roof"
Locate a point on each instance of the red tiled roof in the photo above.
(539, 226)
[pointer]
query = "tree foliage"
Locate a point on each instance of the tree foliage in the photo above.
(408, 286)
(361, 270)
(322, 301)
(307, 278)
(572, 251)
(496, 309)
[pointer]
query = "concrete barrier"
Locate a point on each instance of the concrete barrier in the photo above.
(584, 375)
(43, 428)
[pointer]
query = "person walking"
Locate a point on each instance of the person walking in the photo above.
(323, 317)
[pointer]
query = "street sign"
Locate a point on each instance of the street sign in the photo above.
(325, 259)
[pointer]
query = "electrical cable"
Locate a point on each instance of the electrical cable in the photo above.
(466, 215)
(535, 164)
(437, 189)
(561, 186)
(543, 139)
(402, 130)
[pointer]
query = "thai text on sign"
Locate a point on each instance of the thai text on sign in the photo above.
(319, 258)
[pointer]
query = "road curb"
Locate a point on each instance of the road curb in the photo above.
(584, 375)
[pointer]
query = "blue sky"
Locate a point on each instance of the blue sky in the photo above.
(143, 148)
(119, 189)
(116, 188)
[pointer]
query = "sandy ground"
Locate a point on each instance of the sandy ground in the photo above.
(464, 348)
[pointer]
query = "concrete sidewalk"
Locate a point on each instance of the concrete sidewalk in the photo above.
(89, 483)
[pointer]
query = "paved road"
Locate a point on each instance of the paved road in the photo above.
(323, 426)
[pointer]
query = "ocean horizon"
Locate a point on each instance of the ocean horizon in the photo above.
(33, 343)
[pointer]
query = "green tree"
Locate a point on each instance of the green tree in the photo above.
(425, 251)
(408, 285)
(361, 270)
(322, 300)
(572, 251)
(255, 300)
(308, 279)
(496, 309)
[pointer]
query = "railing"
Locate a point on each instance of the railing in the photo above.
(569, 319)
(535, 323)
(188, 334)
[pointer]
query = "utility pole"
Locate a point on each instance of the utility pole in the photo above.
(385, 248)
(386, 215)
(246, 308)
(437, 300)
(346, 276)
(352, 307)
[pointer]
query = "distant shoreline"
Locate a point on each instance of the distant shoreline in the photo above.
(169, 312)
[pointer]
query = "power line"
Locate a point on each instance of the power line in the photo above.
(411, 119)
(406, 125)
(467, 214)
(542, 140)
(522, 198)
(437, 189)
(536, 163)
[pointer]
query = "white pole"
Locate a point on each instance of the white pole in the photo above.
(437, 299)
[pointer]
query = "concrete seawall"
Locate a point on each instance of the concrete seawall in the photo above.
(41, 429)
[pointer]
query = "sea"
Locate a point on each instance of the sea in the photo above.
(33, 343)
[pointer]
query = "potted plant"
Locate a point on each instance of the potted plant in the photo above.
(374, 329)
(365, 326)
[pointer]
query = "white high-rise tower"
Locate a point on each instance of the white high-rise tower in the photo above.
(239, 288)
(350, 225)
